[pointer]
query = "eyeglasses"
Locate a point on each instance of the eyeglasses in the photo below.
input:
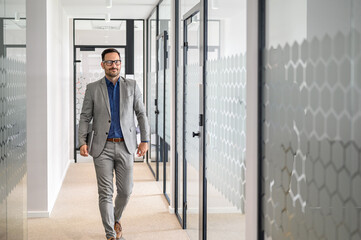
(110, 62)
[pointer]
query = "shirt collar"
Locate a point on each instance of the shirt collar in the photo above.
(109, 83)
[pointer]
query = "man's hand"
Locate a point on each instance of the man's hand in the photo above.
(84, 150)
(142, 149)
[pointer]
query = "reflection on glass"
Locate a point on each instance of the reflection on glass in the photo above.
(138, 53)
(15, 39)
(312, 121)
(112, 33)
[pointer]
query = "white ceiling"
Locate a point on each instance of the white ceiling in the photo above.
(130, 9)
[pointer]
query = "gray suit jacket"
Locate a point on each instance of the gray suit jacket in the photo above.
(96, 107)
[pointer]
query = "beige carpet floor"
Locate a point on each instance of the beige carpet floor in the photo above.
(76, 214)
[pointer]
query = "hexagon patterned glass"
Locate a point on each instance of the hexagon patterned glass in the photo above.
(311, 119)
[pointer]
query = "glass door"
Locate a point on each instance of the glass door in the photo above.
(191, 141)
(163, 110)
(88, 70)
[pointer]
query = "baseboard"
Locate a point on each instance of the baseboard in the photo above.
(38, 214)
(171, 210)
(215, 210)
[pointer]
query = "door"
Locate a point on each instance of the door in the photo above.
(191, 118)
(162, 106)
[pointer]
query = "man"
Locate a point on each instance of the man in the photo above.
(111, 103)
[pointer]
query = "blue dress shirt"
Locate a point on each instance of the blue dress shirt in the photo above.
(113, 93)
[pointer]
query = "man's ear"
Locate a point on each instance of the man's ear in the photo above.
(102, 64)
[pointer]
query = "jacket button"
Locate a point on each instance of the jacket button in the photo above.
(106, 133)
(109, 121)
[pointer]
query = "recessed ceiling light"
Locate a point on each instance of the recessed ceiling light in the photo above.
(109, 3)
(107, 17)
(17, 16)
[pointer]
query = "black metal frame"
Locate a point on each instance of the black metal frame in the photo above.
(261, 45)
(195, 10)
(4, 46)
(184, 225)
(128, 50)
(204, 73)
(176, 169)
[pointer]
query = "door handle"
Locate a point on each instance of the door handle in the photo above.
(156, 111)
(194, 134)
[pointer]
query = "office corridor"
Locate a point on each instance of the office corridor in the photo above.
(76, 214)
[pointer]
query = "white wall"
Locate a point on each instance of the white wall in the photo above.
(58, 97)
(37, 107)
(71, 87)
(252, 151)
(48, 103)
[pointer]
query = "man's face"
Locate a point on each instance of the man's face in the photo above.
(112, 70)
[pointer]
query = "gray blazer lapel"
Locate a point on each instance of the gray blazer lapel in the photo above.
(104, 89)
(123, 94)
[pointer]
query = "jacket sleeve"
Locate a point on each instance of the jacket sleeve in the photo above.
(141, 115)
(85, 117)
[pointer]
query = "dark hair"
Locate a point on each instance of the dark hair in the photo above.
(109, 50)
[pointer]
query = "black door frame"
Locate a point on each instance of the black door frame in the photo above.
(202, 201)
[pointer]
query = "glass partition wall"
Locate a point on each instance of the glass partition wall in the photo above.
(210, 114)
(163, 42)
(13, 168)
(225, 119)
(311, 120)
(210, 94)
(159, 94)
(151, 92)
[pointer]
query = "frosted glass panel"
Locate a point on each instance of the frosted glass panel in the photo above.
(13, 131)
(226, 130)
(226, 120)
(13, 170)
(192, 114)
(179, 146)
(312, 125)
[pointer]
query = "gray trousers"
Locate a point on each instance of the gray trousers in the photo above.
(114, 158)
